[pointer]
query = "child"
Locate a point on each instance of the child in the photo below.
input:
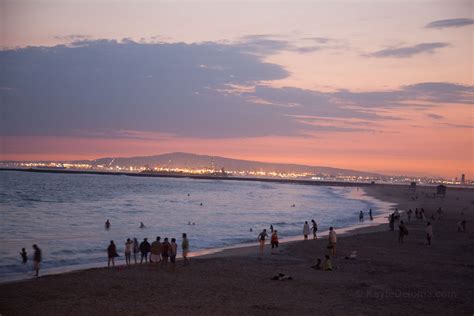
(327, 263)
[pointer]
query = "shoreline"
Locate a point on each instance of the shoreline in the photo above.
(238, 249)
(386, 278)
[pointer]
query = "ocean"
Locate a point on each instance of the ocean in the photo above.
(64, 214)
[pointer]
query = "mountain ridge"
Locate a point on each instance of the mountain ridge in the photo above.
(197, 161)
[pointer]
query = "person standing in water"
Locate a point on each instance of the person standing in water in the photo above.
(315, 228)
(306, 230)
(111, 253)
(128, 251)
(185, 248)
(24, 256)
(370, 215)
(37, 257)
(261, 239)
(361, 216)
(107, 224)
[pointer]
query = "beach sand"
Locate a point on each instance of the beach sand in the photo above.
(386, 277)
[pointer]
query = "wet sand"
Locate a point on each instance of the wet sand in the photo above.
(386, 277)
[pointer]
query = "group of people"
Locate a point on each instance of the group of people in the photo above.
(361, 215)
(37, 258)
(156, 252)
(306, 229)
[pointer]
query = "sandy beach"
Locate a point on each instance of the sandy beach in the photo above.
(386, 277)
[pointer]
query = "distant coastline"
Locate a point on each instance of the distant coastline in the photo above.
(215, 177)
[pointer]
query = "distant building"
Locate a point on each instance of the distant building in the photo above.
(463, 179)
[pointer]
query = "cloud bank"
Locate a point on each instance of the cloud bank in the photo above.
(441, 24)
(408, 51)
(205, 90)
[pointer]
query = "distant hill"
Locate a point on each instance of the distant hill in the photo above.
(193, 161)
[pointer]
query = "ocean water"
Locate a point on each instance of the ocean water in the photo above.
(65, 214)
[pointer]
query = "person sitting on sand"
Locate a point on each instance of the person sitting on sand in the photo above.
(24, 256)
(155, 250)
(317, 266)
(165, 251)
(261, 239)
(185, 248)
(107, 224)
(173, 252)
(36, 259)
(274, 239)
(144, 249)
(111, 254)
(332, 238)
(306, 230)
(128, 251)
(402, 232)
(429, 232)
(327, 263)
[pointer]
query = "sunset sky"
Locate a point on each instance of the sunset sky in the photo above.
(384, 86)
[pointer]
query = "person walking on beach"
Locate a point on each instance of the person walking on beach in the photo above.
(36, 259)
(332, 238)
(156, 250)
(136, 249)
(24, 256)
(261, 239)
(144, 249)
(315, 228)
(165, 251)
(173, 253)
(361, 216)
(128, 251)
(402, 232)
(274, 239)
(306, 230)
(111, 254)
(370, 215)
(391, 220)
(429, 232)
(185, 248)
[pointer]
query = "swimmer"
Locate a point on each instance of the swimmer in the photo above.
(142, 225)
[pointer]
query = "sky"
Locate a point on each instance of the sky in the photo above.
(382, 86)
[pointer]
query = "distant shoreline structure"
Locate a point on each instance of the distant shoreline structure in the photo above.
(218, 177)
